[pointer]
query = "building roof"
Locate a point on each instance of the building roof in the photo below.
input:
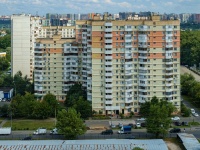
(5, 89)
(107, 144)
(189, 141)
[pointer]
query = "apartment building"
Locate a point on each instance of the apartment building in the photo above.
(55, 66)
(25, 30)
(130, 61)
(121, 63)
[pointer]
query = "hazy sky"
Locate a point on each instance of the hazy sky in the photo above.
(8, 7)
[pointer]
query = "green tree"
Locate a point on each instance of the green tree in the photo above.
(185, 111)
(70, 124)
(4, 110)
(158, 121)
(84, 108)
(73, 95)
(50, 99)
(138, 148)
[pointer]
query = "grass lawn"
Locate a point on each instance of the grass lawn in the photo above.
(191, 100)
(30, 124)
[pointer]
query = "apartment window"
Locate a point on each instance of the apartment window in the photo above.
(175, 27)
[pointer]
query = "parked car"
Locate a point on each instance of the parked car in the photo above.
(120, 125)
(27, 138)
(141, 119)
(107, 132)
(184, 123)
(192, 110)
(177, 123)
(175, 130)
(138, 125)
(130, 124)
(195, 114)
(143, 124)
(112, 126)
(176, 118)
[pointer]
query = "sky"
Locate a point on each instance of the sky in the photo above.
(41, 7)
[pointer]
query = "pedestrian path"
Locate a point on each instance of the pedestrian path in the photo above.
(3, 122)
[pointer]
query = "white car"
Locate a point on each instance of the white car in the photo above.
(141, 119)
(176, 118)
(138, 125)
(192, 110)
(195, 114)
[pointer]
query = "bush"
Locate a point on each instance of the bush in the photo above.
(121, 116)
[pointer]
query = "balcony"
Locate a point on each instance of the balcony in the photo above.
(169, 84)
(169, 45)
(143, 84)
(128, 46)
(108, 24)
(142, 38)
(127, 67)
(108, 57)
(38, 51)
(108, 41)
(128, 36)
(128, 83)
(128, 40)
(109, 102)
(112, 107)
(142, 90)
(143, 51)
(128, 55)
(108, 85)
(108, 74)
(142, 57)
(108, 68)
(108, 80)
(169, 90)
(108, 51)
(169, 79)
(108, 63)
(108, 96)
(142, 101)
(143, 45)
(108, 35)
(143, 28)
(108, 46)
(169, 63)
(108, 91)
(169, 73)
(169, 28)
(108, 29)
(169, 68)
(143, 68)
(128, 28)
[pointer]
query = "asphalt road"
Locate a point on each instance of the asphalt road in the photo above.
(186, 70)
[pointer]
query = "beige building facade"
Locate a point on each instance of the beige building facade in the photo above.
(121, 63)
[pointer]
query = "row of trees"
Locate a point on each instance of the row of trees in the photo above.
(190, 47)
(20, 83)
(5, 41)
(158, 114)
(191, 88)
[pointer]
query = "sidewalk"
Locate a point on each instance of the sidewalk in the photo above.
(3, 122)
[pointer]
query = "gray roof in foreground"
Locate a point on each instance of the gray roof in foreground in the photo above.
(107, 144)
(189, 141)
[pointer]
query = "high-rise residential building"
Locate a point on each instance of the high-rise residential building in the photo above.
(121, 63)
(25, 29)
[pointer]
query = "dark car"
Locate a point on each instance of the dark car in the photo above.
(175, 130)
(131, 124)
(130, 137)
(107, 132)
(184, 123)
(177, 123)
(27, 138)
(143, 124)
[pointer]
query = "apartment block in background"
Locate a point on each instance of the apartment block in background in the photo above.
(25, 30)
